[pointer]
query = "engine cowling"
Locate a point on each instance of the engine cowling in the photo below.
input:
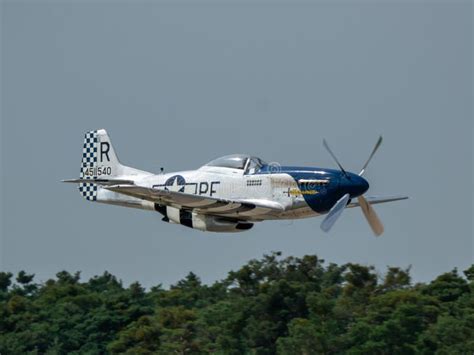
(200, 221)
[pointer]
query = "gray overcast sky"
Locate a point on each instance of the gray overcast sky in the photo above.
(178, 84)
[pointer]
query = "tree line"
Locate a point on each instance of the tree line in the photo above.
(274, 305)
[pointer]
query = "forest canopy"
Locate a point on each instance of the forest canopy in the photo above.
(274, 305)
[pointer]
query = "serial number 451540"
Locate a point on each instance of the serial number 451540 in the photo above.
(98, 171)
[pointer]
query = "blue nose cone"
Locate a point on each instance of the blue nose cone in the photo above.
(353, 184)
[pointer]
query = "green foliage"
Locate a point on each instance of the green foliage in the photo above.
(5, 280)
(268, 306)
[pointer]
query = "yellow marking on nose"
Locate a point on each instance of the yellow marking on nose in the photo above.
(296, 192)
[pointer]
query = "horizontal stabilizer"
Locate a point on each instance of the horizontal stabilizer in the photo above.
(103, 182)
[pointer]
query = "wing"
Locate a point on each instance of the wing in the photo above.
(242, 208)
(373, 200)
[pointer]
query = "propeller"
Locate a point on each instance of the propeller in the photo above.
(371, 216)
(326, 145)
(335, 213)
(377, 145)
(368, 211)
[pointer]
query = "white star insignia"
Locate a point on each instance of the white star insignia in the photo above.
(175, 187)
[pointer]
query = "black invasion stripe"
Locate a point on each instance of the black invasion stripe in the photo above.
(162, 210)
(186, 218)
(244, 208)
(244, 226)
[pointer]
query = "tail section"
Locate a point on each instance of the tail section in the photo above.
(98, 152)
(99, 161)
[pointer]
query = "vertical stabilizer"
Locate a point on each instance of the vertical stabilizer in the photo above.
(99, 161)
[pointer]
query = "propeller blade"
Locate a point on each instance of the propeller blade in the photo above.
(325, 144)
(334, 213)
(371, 216)
(377, 145)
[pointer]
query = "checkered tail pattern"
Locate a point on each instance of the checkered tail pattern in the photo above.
(89, 161)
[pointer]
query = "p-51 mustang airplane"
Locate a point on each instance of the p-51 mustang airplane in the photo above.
(228, 194)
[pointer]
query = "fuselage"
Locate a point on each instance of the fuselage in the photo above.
(301, 191)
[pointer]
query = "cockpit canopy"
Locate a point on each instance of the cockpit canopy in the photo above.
(248, 163)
